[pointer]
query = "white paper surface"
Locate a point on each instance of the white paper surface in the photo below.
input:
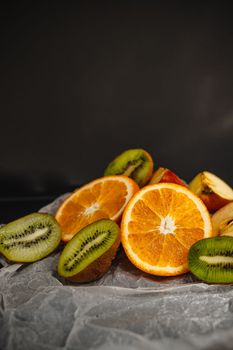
(125, 309)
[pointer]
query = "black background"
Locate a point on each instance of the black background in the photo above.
(80, 82)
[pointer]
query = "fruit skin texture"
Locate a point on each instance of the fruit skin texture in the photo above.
(140, 169)
(216, 269)
(98, 267)
(160, 270)
(166, 175)
(222, 221)
(17, 234)
(205, 188)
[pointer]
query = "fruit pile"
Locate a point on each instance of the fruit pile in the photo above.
(165, 226)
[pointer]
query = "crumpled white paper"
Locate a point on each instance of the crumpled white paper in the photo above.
(125, 309)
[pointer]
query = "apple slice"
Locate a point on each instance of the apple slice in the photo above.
(213, 191)
(222, 221)
(166, 175)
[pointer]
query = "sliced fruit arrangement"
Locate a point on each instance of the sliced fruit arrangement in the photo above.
(166, 175)
(222, 221)
(89, 254)
(160, 224)
(214, 192)
(105, 197)
(30, 238)
(211, 260)
(166, 228)
(135, 163)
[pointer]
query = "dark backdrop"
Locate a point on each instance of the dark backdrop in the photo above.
(80, 82)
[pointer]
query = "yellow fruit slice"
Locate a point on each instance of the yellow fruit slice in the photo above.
(102, 198)
(159, 225)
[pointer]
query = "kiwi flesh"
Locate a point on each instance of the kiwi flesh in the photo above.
(89, 254)
(30, 238)
(135, 163)
(211, 259)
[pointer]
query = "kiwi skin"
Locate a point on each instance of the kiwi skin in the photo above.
(99, 266)
(210, 272)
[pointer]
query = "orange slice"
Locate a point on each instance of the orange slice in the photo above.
(159, 225)
(102, 198)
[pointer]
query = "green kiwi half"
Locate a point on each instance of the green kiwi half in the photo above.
(89, 254)
(211, 259)
(30, 238)
(135, 163)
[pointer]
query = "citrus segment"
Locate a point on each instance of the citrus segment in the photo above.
(142, 210)
(158, 199)
(103, 198)
(109, 191)
(143, 226)
(187, 217)
(187, 240)
(182, 204)
(148, 245)
(160, 224)
(173, 253)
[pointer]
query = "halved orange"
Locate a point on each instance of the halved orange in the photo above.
(160, 224)
(102, 198)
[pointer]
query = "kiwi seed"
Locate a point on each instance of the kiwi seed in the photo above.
(211, 259)
(135, 163)
(30, 238)
(89, 254)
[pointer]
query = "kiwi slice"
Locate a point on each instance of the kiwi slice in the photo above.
(211, 259)
(135, 163)
(30, 238)
(89, 254)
